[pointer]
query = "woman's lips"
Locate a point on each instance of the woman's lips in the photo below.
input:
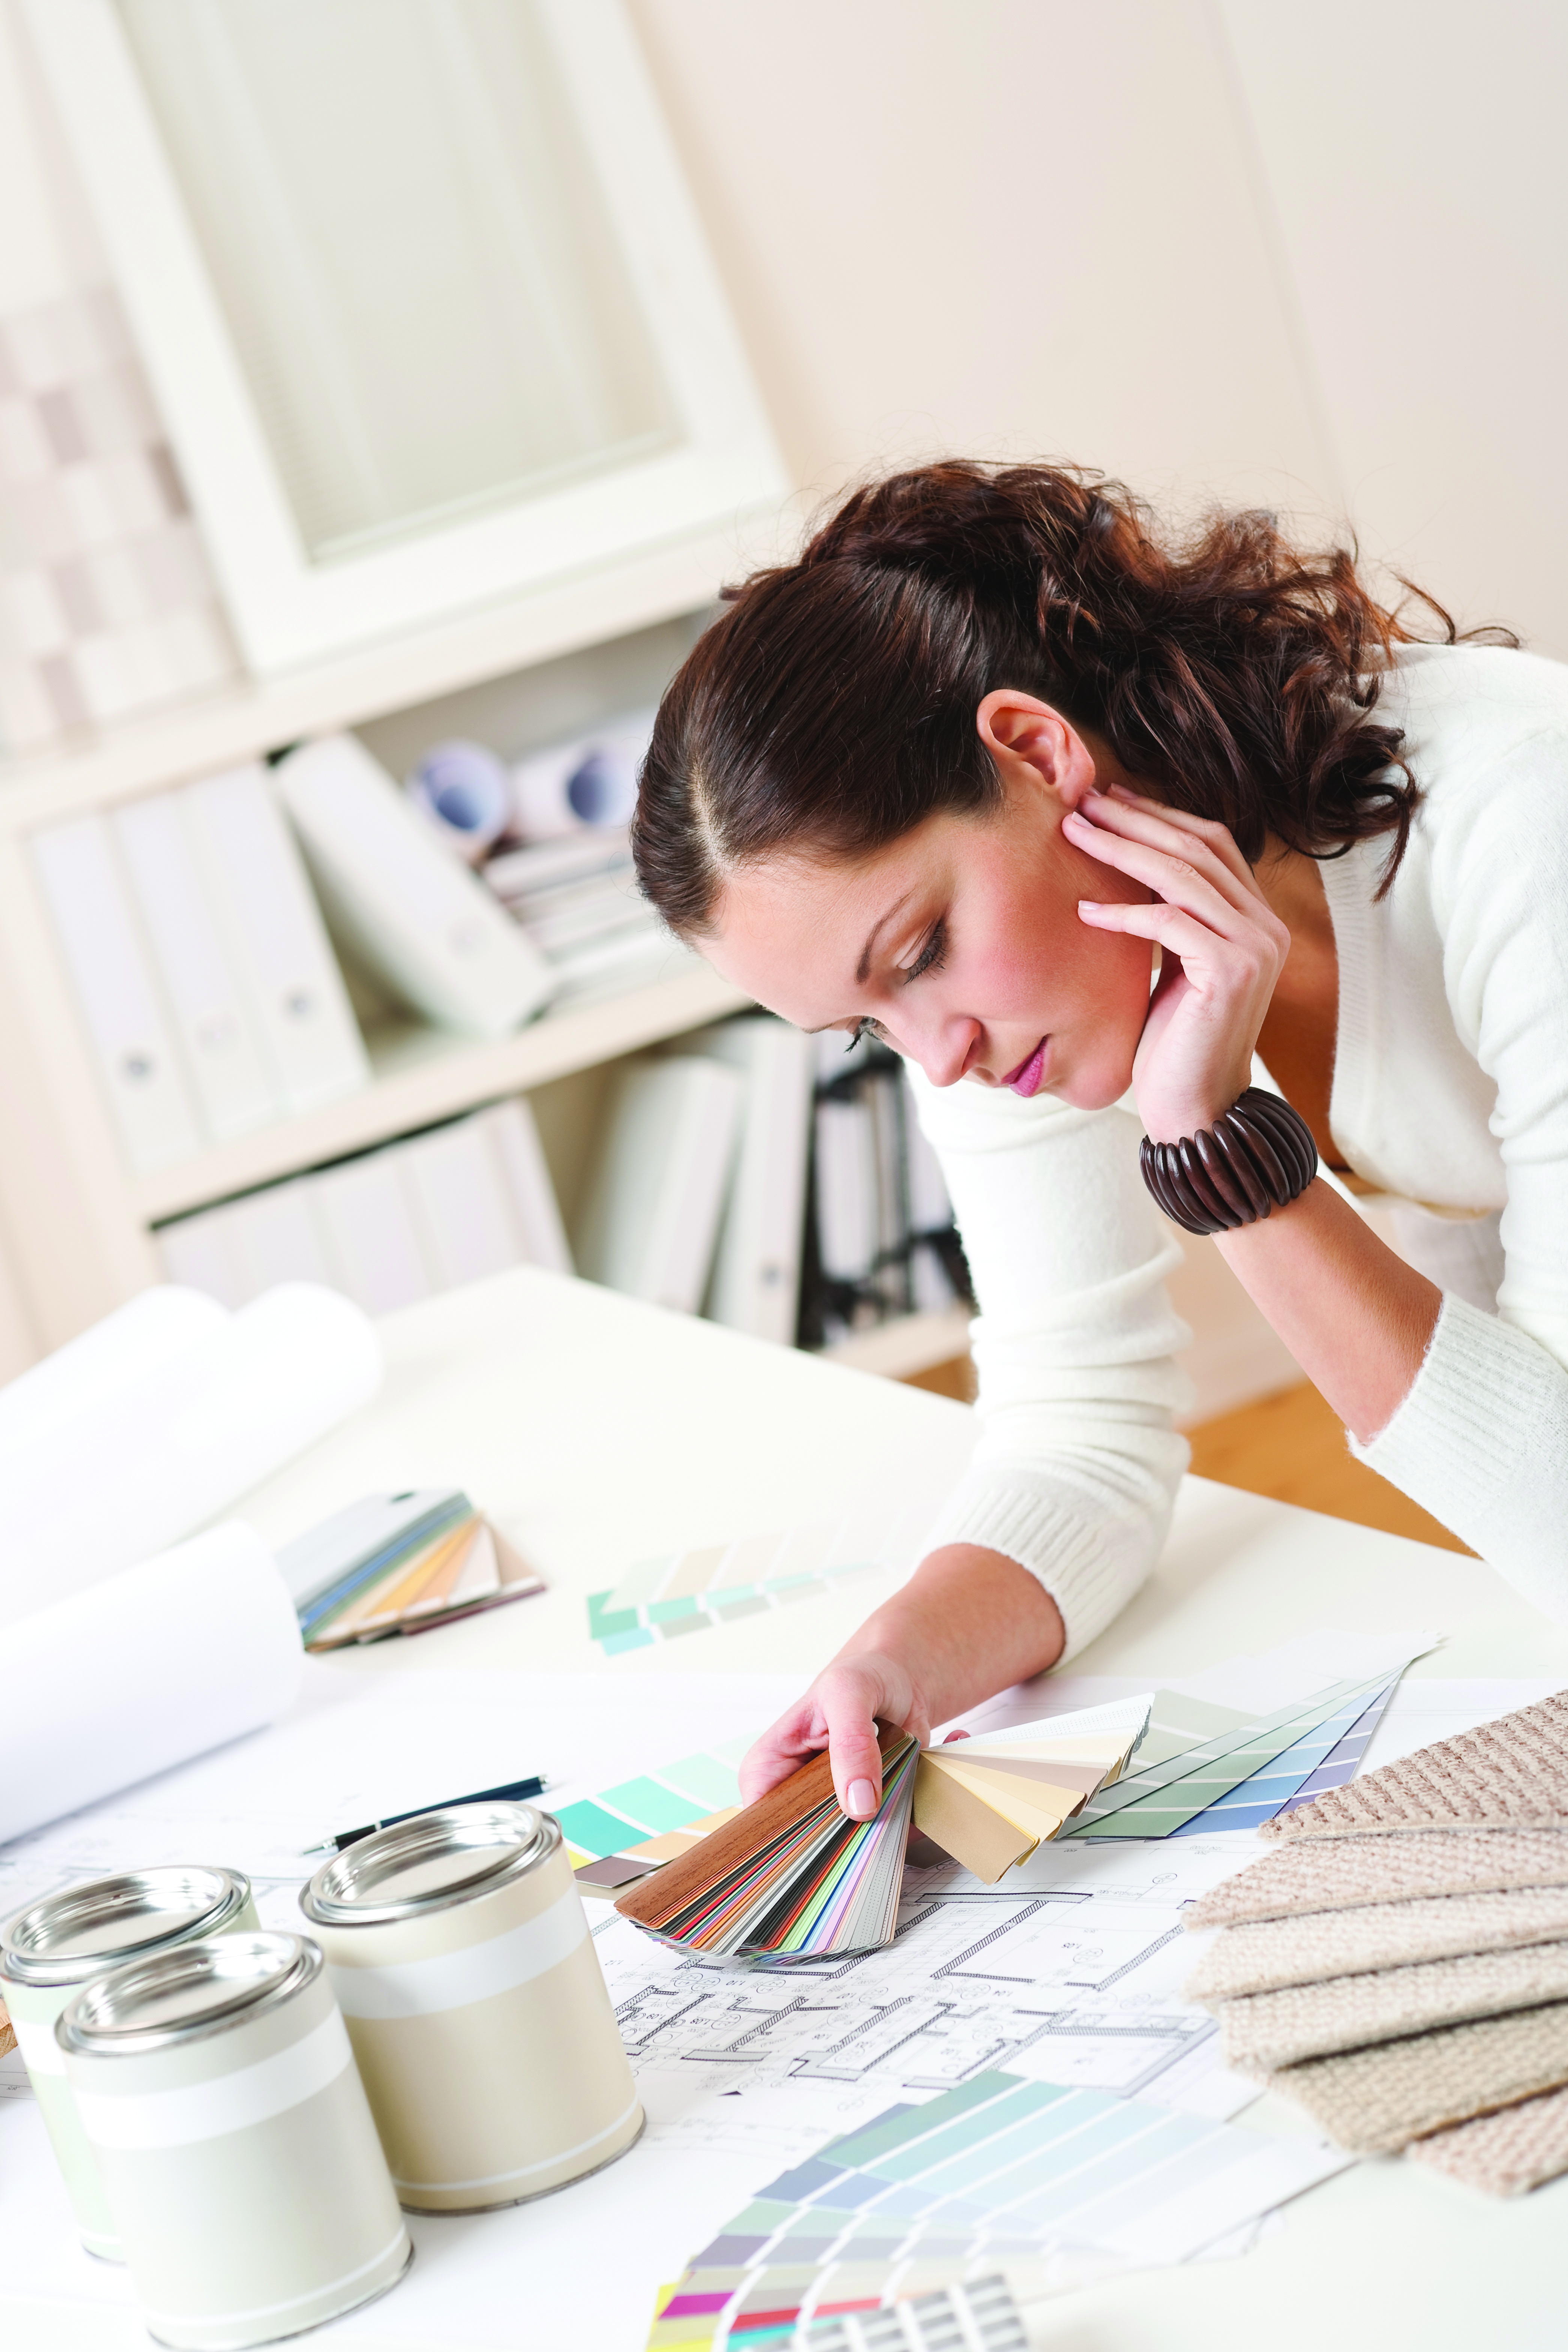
(1025, 1078)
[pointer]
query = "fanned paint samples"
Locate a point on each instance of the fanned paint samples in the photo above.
(791, 1876)
(990, 1801)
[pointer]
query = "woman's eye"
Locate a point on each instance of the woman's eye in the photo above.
(865, 1032)
(932, 955)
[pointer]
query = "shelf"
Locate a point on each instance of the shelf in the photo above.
(423, 1075)
(910, 1343)
(207, 734)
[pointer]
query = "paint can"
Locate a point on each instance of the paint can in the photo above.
(217, 2087)
(51, 1949)
(478, 2009)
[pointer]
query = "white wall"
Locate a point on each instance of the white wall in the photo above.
(1306, 257)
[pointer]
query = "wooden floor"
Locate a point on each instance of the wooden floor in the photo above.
(1291, 1445)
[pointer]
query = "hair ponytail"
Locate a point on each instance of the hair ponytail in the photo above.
(831, 707)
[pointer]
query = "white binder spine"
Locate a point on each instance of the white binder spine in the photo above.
(376, 1253)
(221, 1051)
(512, 1138)
(431, 930)
(111, 972)
(653, 1215)
(259, 890)
(459, 1205)
(756, 1267)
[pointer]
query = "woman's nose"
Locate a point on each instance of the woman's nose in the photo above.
(943, 1053)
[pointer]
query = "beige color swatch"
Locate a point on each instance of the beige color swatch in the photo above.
(1506, 2153)
(1335, 1874)
(1264, 2031)
(1373, 2102)
(1515, 1769)
(1265, 1955)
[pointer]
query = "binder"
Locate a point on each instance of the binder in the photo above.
(757, 1266)
(418, 915)
(259, 894)
(199, 1253)
(205, 996)
(368, 1222)
(276, 1237)
(127, 1023)
(846, 1189)
(511, 1137)
(652, 1214)
(460, 1203)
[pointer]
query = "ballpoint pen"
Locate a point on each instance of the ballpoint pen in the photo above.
(533, 1787)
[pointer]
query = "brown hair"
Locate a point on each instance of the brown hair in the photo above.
(831, 707)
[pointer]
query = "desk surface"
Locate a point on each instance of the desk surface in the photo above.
(596, 1431)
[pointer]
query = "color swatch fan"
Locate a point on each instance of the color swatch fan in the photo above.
(990, 1801)
(791, 1876)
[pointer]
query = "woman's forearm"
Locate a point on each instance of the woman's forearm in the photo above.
(968, 1623)
(1356, 1319)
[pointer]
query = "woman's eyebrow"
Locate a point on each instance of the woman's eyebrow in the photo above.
(863, 969)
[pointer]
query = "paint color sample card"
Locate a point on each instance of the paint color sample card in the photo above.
(680, 1592)
(1326, 1757)
(978, 2180)
(1158, 1798)
(668, 1810)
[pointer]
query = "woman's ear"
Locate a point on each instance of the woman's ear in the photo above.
(1035, 746)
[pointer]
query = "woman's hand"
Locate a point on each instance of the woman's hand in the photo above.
(968, 1623)
(1222, 950)
(841, 1712)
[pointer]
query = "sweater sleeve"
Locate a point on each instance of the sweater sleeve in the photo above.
(1481, 1438)
(1078, 1464)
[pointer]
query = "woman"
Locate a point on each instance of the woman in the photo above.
(952, 777)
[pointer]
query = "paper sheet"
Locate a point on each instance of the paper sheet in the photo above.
(97, 1473)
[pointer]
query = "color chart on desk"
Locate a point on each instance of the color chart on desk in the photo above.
(653, 1805)
(978, 2180)
(679, 1592)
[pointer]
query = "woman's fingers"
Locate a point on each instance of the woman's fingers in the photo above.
(839, 1713)
(1218, 837)
(1207, 847)
(849, 1697)
(1181, 881)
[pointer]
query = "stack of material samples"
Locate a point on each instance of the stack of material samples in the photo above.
(1399, 1964)
(791, 1875)
(399, 1564)
(1049, 2187)
(577, 901)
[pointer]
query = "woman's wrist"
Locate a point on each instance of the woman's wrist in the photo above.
(1255, 1157)
(968, 1623)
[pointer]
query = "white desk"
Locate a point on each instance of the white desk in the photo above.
(594, 1430)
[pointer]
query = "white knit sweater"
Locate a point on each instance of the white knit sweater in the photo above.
(1450, 1091)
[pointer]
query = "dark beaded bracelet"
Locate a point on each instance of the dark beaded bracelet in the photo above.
(1259, 1155)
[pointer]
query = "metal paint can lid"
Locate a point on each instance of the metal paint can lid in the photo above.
(454, 1855)
(187, 1994)
(82, 1931)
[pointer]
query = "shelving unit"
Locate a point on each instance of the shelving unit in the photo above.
(76, 1225)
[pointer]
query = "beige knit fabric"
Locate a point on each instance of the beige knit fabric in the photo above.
(1373, 2102)
(1267, 1954)
(1335, 1874)
(1515, 1769)
(1516, 2150)
(1266, 2030)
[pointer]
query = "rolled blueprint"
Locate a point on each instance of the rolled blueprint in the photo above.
(107, 1365)
(146, 1669)
(87, 1492)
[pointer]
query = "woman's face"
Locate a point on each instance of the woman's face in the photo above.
(961, 944)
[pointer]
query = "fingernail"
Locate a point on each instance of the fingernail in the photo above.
(861, 1800)
(1089, 906)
